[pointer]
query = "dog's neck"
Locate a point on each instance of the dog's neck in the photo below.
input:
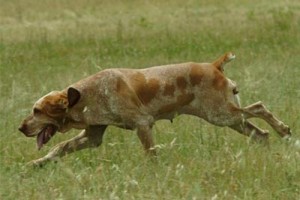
(68, 123)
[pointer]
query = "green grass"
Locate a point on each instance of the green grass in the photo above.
(47, 45)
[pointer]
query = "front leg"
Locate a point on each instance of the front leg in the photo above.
(145, 135)
(88, 138)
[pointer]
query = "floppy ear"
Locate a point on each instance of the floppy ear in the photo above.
(73, 97)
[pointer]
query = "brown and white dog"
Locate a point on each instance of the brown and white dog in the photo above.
(136, 98)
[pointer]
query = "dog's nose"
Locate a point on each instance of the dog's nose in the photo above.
(22, 128)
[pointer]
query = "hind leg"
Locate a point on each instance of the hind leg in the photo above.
(250, 130)
(258, 110)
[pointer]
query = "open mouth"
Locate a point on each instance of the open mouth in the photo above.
(45, 135)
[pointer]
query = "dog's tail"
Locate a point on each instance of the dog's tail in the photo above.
(220, 62)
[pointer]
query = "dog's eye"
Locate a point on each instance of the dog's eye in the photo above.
(235, 91)
(36, 111)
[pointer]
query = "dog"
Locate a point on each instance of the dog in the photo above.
(136, 98)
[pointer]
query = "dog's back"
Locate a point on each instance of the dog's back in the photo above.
(124, 96)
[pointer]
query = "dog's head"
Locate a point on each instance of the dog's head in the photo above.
(48, 115)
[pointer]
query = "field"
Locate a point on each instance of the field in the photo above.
(47, 45)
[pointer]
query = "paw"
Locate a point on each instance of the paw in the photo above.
(261, 138)
(35, 163)
(284, 131)
(297, 144)
(288, 132)
(39, 162)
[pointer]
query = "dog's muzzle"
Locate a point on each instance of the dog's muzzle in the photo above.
(43, 136)
(23, 128)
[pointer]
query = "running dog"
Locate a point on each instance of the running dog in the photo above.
(136, 98)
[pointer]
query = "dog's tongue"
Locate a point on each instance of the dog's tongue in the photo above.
(40, 139)
(45, 135)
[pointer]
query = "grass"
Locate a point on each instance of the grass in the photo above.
(46, 45)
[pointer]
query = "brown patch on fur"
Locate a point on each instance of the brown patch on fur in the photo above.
(182, 100)
(54, 106)
(185, 99)
(196, 74)
(120, 86)
(219, 81)
(124, 91)
(145, 90)
(181, 82)
(169, 90)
